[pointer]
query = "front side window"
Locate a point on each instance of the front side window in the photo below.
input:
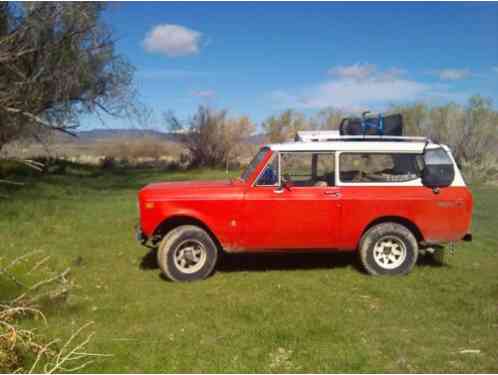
(307, 169)
(269, 176)
(374, 167)
(254, 163)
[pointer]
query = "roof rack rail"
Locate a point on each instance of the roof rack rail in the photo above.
(333, 135)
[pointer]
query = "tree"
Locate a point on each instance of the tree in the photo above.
(327, 119)
(57, 62)
(211, 138)
(415, 118)
(285, 126)
(235, 132)
(470, 130)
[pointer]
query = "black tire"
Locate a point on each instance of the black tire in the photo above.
(396, 239)
(183, 239)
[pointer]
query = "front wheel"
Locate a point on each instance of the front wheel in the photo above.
(187, 253)
(388, 249)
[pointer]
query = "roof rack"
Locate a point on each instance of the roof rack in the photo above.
(333, 135)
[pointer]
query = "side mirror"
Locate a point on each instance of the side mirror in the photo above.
(438, 175)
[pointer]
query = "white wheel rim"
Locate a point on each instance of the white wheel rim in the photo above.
(190, 256)
(389, 252)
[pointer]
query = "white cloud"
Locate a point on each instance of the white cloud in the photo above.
(172, 40)
(355, 71)
(361, 72)
(391, 74)
(169, 74)
(204, 93)
(453, 74)
(356, 87)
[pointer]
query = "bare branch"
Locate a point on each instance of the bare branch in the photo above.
(57, 62)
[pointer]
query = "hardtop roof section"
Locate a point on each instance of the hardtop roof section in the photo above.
(332, 140)
(334, 135)
(366, 146)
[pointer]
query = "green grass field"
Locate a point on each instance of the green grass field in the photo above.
(287, 313)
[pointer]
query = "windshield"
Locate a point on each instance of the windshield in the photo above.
(254, 163)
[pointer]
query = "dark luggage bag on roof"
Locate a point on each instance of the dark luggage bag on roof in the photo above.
(378, 125)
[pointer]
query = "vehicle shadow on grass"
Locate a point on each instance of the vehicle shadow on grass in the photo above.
(286, 261)
(149, 260)
(259, 262)
(429, 261)
(270, 261)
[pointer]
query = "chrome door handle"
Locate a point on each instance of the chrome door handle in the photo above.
(333, 193)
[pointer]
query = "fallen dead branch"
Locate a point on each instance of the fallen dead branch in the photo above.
(33, 164)
(72, 356)
(51, 355)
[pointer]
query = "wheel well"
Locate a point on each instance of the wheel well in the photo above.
(400, 220)
(175, 221)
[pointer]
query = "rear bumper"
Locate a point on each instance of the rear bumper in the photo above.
(429, 243)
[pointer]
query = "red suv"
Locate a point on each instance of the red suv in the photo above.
(389, 198)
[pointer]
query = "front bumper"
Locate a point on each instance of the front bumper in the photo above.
(140, 236)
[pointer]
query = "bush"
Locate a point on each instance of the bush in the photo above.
(211, 138)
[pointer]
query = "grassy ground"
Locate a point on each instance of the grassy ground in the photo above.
(257, 313)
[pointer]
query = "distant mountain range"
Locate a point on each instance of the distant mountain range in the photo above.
(99, 134)
(90, 136)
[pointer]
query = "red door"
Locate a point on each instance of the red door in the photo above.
(295, 218)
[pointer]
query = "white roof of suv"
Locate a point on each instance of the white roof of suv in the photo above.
(405, 147)
(332, 141)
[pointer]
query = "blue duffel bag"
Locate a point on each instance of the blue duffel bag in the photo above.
(372, 125)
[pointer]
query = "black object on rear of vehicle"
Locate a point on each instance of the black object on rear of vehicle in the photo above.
(438, 169)
(372, 125)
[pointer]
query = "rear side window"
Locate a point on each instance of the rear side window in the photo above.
(376, 167)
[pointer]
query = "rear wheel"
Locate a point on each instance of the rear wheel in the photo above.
(187, 253)
(388, 249)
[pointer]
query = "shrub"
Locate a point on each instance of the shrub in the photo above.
(211, 138)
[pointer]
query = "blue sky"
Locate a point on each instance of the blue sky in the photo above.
(258, 59)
